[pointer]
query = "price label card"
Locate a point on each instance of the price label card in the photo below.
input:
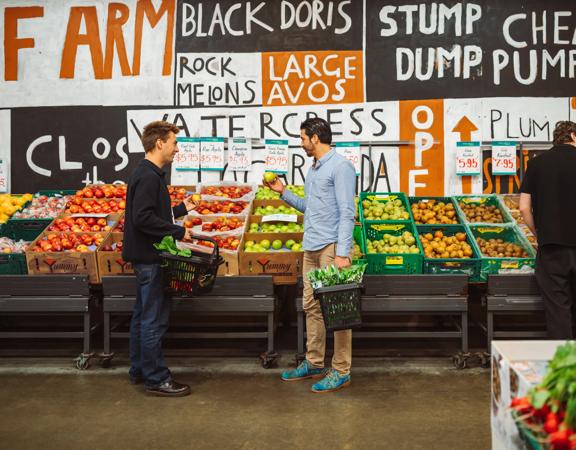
(239, 154)
(468, 159)
(188, 156)
(276, 155)
(280, 218)
(3, 176)
(504, 158)
(212, 153)
(350, 151)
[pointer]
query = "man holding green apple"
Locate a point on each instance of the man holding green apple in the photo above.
(328, 207)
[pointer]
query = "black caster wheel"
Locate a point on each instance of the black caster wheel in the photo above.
(106, 360)
(485, 360)
(460, 361)
(268, 360)
(82, 362)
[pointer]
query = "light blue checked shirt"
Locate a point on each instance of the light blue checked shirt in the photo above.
(328, 206)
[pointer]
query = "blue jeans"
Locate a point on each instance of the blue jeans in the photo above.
(148, 326)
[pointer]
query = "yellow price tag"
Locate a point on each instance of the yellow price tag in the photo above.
(490, 230)
(394, 260)
(388, 227)
(510, 265)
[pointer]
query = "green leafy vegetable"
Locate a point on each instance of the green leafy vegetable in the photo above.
(169, 245)
(332, 276)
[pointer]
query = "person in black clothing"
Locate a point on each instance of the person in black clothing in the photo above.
(547, 199)
(149, 218)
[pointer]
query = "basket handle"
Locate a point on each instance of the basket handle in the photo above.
(215, 251)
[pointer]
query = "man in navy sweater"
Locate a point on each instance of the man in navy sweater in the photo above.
(149, 218)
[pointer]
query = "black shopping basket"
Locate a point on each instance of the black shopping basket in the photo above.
(191, 275)
(341, 306)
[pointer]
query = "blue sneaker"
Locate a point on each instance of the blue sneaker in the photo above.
(303, 371)
(331, 382)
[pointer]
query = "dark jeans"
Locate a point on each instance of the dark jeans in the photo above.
(148, 326)
(556, 277)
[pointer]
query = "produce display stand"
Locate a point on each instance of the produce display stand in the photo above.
(231, 296)
(509, 295)
(51, 295)
(440, 295)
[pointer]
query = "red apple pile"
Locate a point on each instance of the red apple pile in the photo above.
(220, 224)
(113, 247)
(103, 191)
(119, 226)
(232, 192)
(43, 207)
(227, 243)
(67, 242)
(80, 224)
(220, 207)
(100, 206)
(177, 194)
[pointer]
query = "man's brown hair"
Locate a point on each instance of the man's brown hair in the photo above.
(157, 130)
(563, 132)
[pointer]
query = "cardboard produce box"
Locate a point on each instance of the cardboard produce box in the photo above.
(69, 262)
(517, 366)
(272, 203)
(110, 262)
(285, 266)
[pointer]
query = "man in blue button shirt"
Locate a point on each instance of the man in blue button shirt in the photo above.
(328, 209)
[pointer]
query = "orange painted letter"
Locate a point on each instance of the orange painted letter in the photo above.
(11, 41)
(115, 38)
(74, 39)
(145, 6)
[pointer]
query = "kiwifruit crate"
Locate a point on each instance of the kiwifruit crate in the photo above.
(383, 197)
(436, 200)
(505, 264)
(392, 263)
(482, 200)
(468, 266)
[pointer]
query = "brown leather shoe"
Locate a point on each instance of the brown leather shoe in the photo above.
(169, 389)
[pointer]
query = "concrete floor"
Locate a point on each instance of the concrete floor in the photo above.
(235, 404)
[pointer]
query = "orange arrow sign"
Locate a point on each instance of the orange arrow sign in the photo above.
(465, 127)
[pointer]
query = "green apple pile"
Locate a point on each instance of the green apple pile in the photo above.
(384, 210)
(275, 227)
(403, 244)
(265, 245)
(268, 210)
(265, 193)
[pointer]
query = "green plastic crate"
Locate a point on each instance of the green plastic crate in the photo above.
(55, 193)
(387, 263)
(447, 200)
(469, 266)
(531, 440)
(488, 200)
(384, 196)
(492, 265)
(359, 239)
(30, 229)
(27, 229)
(11, 263)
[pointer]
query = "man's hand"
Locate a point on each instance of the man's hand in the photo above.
(276, 185)
(342, 261)
(187, 234)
